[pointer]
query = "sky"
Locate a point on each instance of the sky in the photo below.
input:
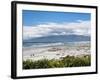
(31, 18)
(46, 23)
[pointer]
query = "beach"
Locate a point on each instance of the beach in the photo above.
(56, 51)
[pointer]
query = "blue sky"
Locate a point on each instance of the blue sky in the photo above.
(44, 23)
(31, 17)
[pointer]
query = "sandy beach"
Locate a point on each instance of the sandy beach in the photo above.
(55, 52)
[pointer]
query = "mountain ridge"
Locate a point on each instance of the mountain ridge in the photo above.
(59, 38)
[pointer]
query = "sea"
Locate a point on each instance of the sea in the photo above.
(49, 44)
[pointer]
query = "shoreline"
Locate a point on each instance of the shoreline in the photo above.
(55, 52)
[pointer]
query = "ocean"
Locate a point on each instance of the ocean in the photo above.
(49, 44)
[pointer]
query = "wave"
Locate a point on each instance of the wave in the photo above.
(35, 45)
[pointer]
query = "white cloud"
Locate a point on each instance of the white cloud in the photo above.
(77, 28)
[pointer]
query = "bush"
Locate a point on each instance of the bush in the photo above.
(68, 61)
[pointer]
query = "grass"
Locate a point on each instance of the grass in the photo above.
(68, 61)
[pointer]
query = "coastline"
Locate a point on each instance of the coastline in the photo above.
(56, 52)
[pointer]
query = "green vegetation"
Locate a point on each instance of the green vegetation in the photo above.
(68, 61)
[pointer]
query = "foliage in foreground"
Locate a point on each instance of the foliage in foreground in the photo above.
(68, 61)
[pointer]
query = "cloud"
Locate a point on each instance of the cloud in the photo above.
(77, 28)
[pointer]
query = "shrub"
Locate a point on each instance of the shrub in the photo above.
(68, 61)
